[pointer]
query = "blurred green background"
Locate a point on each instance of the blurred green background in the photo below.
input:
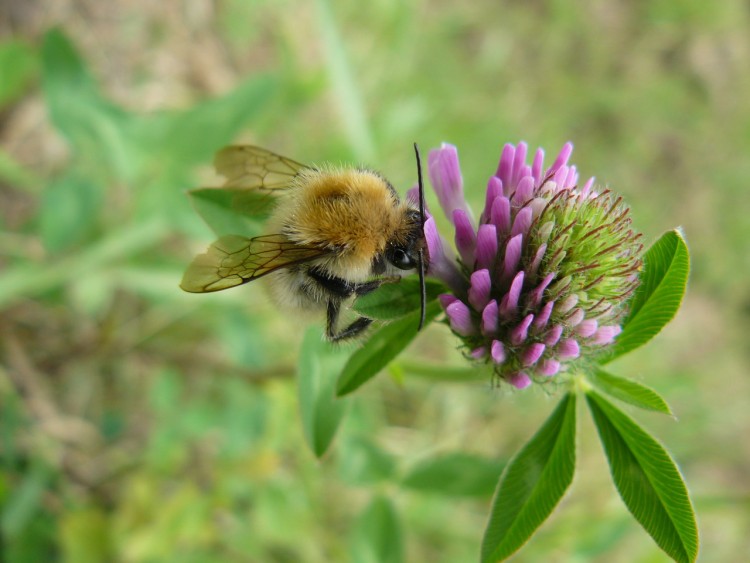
(139, 423)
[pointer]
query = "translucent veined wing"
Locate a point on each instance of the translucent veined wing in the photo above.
(233, 260)
(247, 166)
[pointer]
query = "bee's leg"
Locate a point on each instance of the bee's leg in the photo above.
(340, 289)
(367, 287)
(360, 324)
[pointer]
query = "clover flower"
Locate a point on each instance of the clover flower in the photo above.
(544, 277)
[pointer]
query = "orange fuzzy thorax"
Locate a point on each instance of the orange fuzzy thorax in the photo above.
(353, 212)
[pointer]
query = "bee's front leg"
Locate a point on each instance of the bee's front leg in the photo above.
(351, 331)
(370, 286)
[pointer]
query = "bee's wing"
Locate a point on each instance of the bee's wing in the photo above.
(233, 260)
(247, 166)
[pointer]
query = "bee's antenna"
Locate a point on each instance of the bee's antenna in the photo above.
(422, 288)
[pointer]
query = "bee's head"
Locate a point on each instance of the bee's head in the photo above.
(405, 252)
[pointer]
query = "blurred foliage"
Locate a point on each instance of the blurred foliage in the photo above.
(138, 423)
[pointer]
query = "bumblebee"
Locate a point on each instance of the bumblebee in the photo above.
(334, 234)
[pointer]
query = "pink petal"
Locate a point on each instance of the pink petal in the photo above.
(512, 258)
(587, 328)
(479, 289)
(489, 318)
(478, 353)
(509, 302)
(459, 316)
(445, 175)
(494, 190)
(536, 167)
(548, 368)
(440, 265)
(562, 158)
(520, 332)
(568, 349)
(606, 334)
(519, 160)
(466, 238)
(575, 318)
(536, 294)
(486, 246)
(522, 222)
(524, 191)
(536, 262)
(505, 167)
(500, 214)
(497, 351)
(541, 319)
(553, 336)
(446, 299)
(587, 188)
(519, 380)
(531, 355)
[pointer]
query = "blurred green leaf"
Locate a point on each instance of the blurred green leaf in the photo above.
(68, 211)
(666, 266)
(25, 500)
(167, 145)
(378, 537)
(444, 373)
(647, 479)
(232, 211)
(383, 345)
(17, 176)
(532, 484)
(319, 362)
(458, 473)
(37, 541)
(170, 141)
(349, 100)
(142, 150)
(243, 338)
(34, 278)
(12, 420)
(95, 128)
(18, 67)
(393, 300)
(85, 536)
(629, 391)
(363, 462)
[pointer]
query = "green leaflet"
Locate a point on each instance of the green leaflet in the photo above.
(629, 391)
(384, 345)
(19, 65)
(456, 473)
(378, 536)
(532, 484)
(647, 479)
(393, 300)
(666, 266)
(322, 412)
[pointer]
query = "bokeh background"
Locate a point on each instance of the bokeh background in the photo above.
(139, 423)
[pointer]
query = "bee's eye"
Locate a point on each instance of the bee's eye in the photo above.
(399, 258)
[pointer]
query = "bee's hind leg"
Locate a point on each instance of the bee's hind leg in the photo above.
(353, 330)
